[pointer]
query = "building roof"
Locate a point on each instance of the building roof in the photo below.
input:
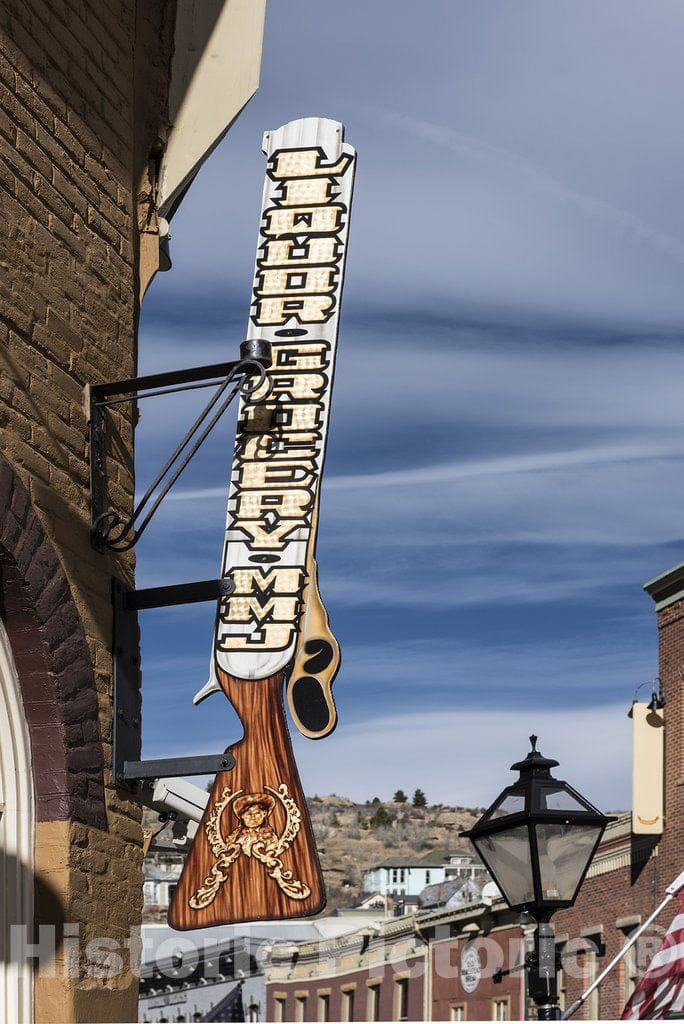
(441, 857)
(667, 588)
(169, 967)
(230, 1008)
(368, 897)
(219, 937)
(401, 862)
(442, 893)
(433, 859)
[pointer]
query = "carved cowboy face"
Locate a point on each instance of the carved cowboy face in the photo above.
(254, 815)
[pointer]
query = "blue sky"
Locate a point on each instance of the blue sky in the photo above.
(504, 466)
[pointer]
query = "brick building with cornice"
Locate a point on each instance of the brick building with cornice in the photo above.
(443, 965)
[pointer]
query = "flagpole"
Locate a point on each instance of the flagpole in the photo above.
(671, 891)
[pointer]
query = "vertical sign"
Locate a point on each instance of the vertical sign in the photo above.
(648, 749)
(281, 436)
(254, 855)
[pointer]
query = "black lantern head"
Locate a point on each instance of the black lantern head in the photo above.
(538, 838)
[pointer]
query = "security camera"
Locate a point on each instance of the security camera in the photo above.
(175, 795)
(183, 831)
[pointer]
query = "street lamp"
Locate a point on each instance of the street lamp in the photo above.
(537, 840)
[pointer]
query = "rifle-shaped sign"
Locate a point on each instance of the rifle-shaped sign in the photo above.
(254, 855)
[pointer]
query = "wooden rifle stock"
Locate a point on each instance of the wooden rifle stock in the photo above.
(254, 856)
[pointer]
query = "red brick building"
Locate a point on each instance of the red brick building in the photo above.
(443, 966)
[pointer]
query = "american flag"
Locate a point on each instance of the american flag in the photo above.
(660, 993)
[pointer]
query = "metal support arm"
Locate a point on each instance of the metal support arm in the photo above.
(126, 731)
(170, 767)
(247, 375)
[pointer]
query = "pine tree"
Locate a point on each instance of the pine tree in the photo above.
(400, 797)
(381, 819)
(419, 798)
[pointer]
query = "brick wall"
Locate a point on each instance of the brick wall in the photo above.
(503, 949)
(82, 107)
(671, 646)
(301, 996)
(627, 882)
(636, 891)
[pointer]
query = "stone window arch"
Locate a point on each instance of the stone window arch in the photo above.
(53, 664)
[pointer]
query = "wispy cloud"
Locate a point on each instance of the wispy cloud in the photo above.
(450, 472)
(463, 672)
(537, 462)
(442, 753)
(529, 528)
(470, 147)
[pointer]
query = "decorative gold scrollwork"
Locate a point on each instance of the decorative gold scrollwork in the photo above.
(253, 837)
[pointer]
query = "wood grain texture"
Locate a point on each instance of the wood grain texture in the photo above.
(264, 761)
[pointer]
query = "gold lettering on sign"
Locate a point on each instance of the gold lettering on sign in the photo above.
(276, 469)
(262, 610)
(297, 271)
(279, 446)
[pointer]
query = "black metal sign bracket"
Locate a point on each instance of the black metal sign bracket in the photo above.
(107, 529)
(126, 727)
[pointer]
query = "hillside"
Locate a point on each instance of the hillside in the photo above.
(349, 842)
(352, 838)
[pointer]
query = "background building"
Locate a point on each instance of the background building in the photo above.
(409, 876)
(223, 981)
(107, 108)
(463, 962)
(399, 877)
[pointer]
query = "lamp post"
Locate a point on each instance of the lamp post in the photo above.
(537, 840)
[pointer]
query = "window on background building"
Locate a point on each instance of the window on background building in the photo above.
(324, 1006)
(427, 877)
(395, 875)
(630, 971)
(348, 1004)
(560, 977)
(279, 1007)
(373, 1002)
(501, 1009)
(457, 1012)
(591, 967)
(401, 999)
(300, 1008)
